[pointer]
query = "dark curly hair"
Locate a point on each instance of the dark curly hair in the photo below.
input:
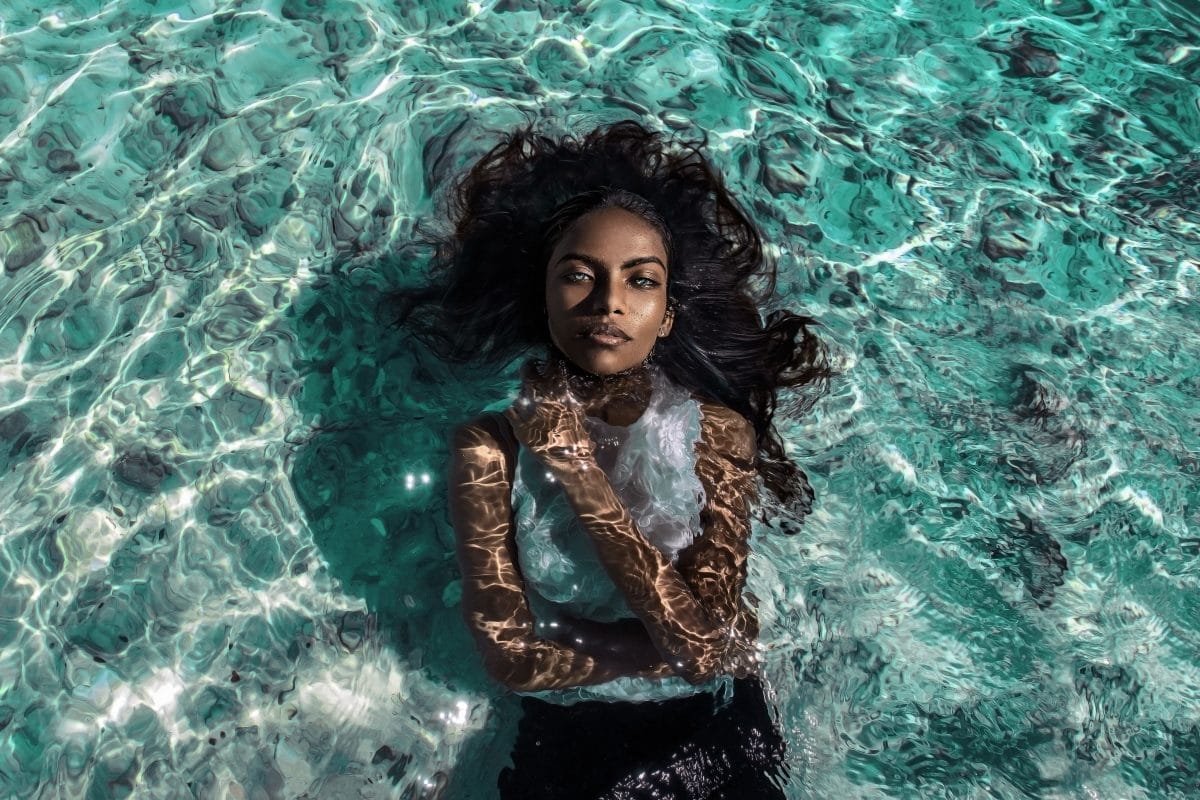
(485, 294)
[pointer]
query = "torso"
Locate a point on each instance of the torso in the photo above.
(544, 542)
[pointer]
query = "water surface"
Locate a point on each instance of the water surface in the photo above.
(227, 568)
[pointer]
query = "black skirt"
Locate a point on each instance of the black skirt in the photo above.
(690, 748)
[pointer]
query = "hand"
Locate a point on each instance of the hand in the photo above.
(548, 419)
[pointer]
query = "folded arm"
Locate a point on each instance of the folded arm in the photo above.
(692, 610)
(515, 652)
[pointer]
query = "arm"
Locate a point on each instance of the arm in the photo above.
(625, 640)
(714, 565)
(494, 604)
(692, 611)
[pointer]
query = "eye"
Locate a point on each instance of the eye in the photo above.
(575, 277)
(647, 283)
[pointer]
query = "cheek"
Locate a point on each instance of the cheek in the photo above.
(656, 311)
(556, 308)
(557, 315)
(559, 296)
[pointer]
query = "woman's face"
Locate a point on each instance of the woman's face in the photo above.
(608, 269)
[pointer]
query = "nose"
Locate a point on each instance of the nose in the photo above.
(608, 296)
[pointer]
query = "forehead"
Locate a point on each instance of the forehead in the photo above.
(612, 230)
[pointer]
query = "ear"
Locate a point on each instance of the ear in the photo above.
(667, 323)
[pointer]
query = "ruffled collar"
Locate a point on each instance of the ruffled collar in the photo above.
(662, 397)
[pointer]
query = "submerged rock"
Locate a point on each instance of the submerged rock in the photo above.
(141, 469)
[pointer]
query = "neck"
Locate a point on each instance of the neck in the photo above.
(618, 399)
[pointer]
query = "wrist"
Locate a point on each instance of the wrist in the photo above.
(566, 461)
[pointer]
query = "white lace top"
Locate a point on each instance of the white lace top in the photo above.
(652, 467)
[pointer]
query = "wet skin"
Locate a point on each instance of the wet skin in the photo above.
(691, 620)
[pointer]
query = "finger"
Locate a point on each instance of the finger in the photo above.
(534, 384)
(566, 384)
(530, 382)
(518, 414)
(523, 406)
(556, 381)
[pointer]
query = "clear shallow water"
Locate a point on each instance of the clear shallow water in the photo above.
(226, 561)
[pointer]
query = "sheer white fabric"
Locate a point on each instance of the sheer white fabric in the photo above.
(652, 467)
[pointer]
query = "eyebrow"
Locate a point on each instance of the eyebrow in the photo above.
(595, 263)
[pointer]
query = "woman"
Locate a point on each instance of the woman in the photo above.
(603, 520)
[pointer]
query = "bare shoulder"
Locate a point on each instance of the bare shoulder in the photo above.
(726, 431)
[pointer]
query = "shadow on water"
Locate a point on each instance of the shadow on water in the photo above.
(372, 483)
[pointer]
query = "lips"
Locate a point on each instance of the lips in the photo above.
(605, 330)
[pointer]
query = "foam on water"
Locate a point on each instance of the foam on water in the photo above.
(227, 568)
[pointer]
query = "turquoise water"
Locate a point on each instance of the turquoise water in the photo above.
(227, 566)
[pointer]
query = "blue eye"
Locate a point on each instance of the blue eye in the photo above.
(641, 281)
